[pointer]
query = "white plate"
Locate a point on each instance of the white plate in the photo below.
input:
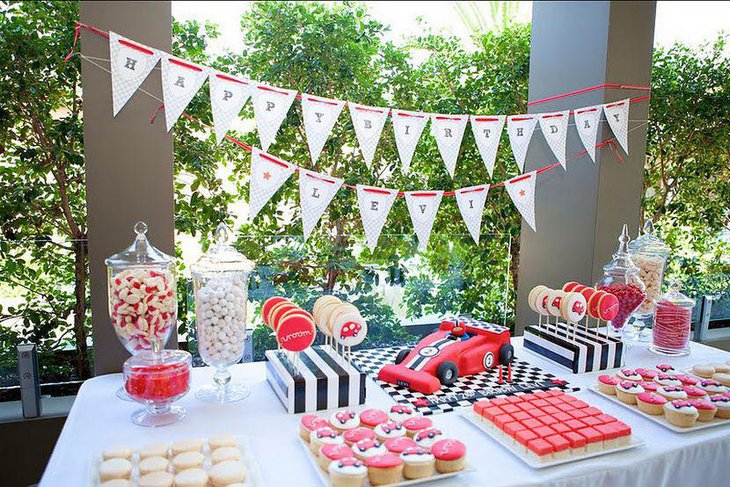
(659, 419)
(253, 474)
(635, 442)
(325, 478)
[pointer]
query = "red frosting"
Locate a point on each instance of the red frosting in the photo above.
(359, 434)
(649, 386)
(540, 447)
(350, 462)
(593, 303)
(344, 416)
(335, 452)
(687, 380)
(416, 424)
(326, 432)
(387, 460)
(399, 445)
(608, 307)
(401, 409)
(373, 417)
(365, 445)
(587, 293)
(295, 333)
(448, 449)
(664, 367)
(416, 450)
(608, 379)
(313, 422)
(647, 374)
(651, 398)
(694, 391)
(428, 433)
(569, 286)
(700, 404)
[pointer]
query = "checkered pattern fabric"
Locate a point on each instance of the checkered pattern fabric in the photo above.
(521, 190)
(181, 80)
(129, 68)
(617, 115)
(408, 127)
(448, 130)
(320, 116)
(519, 129)
(488, 141)
(315, 194)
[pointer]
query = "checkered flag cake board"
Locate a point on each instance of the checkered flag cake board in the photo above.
(526, 378)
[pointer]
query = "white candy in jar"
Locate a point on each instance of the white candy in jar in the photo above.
(221, 320)
(651, 272)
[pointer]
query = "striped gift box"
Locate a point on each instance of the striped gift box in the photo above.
(318, 379)
(585, 351)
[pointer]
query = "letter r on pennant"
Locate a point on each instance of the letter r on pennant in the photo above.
(447, 132)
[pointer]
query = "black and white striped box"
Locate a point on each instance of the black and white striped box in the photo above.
(586, 351)
(318, 379)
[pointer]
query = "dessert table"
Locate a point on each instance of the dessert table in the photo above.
(99, 419)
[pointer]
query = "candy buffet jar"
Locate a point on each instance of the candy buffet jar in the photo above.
(621, 278)
(672, 323)
(220, 279)
(157, 380)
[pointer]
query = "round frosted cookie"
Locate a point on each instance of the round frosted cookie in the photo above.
(224, 454)
(401, 412)
(593, 302)
(370, 418)
(182, 446)
(156, 479)
(321, 301)
(389, 429)
(117, 451)
(722, 377)
(667, 380)
(573, 307)
(192, 477)
(226, 473)
(367, 448)
(608, 307)
(188, 459)
(681, 413)
(450, 455)
(426, 438)
(720, 368)
(532, 297)
(704, 371)
(157, 450)
(340, 310)
(588, 293)
(153, 464)
(712, 386)
(115, 468)
(553, 305)
(117, 483)
(277, 311)
(673, 393)
(268, 305)
(629, 374)
(323, 316)
(418, 463)
(541, 301)
(295, 333)
(222, 440)
(350, 329)
(569, 286)
(344, 420)
(348, 471)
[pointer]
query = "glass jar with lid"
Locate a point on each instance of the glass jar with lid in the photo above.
(220, 279)
(621, 278)
(650, 256)
(672, 323)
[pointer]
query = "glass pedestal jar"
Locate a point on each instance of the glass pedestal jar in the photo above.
(672, 323)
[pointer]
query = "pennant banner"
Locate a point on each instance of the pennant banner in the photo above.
(554, 128)
(131, 63)
(522, 191)
(487, 132)
(270, 106)
(268, 174)
(422, 206)
(315, 194)
(586, 122)
(228, 94)
(617, 115)
(368, 123)
(320, 116)
(448, 130)
(408, 127)
(519, 129)
(471, 206)
(181, 80)
(375, 204)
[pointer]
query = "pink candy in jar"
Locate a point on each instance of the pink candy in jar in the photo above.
(672, 323)
(629, 298)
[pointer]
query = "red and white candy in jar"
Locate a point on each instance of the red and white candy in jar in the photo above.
(672, 323)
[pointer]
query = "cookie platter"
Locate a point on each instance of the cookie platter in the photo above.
(130, 465)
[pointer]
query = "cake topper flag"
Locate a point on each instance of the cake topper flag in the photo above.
(617, 115)
(270, 106)
(471, 205)
(131, 63)
(554, 128)
(487, 132)
(315, 193)
(422, 206)
(408, 127)
(522, 191)
(268, 174)
(375, 204)
(368, 123)
(586, 122)
(448, 130)
(228, 94)
(519, 129)
(320, 115)
(181, 80)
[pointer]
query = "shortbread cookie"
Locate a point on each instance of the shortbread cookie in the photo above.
(153, 464)
(192, 477)
(182, 446)
(115, 468)
(226, 473)
(188, 459)
(156, 479)
(117, 451)
(221, 441)
(226, 453)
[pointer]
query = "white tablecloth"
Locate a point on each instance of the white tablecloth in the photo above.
(98, 419)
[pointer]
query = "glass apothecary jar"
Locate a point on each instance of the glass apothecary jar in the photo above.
(672, 323)
(650, 256)
(220, 279)
(621, 278)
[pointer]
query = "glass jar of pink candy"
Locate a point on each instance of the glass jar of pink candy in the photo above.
(672, 323)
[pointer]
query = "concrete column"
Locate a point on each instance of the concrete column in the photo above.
(129, 171)
(580, 212)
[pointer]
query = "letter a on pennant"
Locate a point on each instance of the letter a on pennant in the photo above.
(471, 206)
(181, 80)
(554, 128)
(268, 174)
(368, 123)
(320, 116)
(519, 129)
(375, 204)
(422, 206)
(487, 131)
(131, 63)
(315, 194)
(522, 191)
(586, 122)
(617, 115)
(408, 127)
(448, 130)
(228, 94)
(270, 106)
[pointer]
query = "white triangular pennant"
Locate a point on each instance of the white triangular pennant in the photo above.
(320, 116)
(315, 194)
(522, 191)
(519, 129)
(586, 122)
(448, 130)
(228, 94)
(268, 174)
(270, 106)
(181, 80)
(422, 206)
(131, 63)
(617, 115)
(368, 123)
(375, 204)
(471, 206)
(554, 127)
(408, 127)
(487, 132)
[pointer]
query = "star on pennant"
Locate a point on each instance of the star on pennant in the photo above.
(267, 176)
(522, 192)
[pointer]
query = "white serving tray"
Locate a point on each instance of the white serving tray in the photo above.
(470, 417)
(325, 478)
(659, 419)
(253, 473)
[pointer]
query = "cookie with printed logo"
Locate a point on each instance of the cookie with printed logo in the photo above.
(277, 310)
(532, 297)
(296, 333)
(268, 305)
(573, 307)
(350, 329)
(553, 305)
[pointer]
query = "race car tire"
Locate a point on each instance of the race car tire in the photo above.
(506, 354)
(401, 356)
(447, 373)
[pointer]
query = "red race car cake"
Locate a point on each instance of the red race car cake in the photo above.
(455, 349)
